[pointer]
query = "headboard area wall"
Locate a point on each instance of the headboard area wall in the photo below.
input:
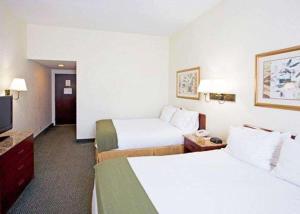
(246, 35)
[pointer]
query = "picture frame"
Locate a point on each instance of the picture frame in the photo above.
(277, 79)
(187, 82)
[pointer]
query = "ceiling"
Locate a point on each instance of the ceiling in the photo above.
(53, 64)
(154, 17)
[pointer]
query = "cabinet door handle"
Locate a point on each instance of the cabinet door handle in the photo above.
(21, 182)
(20, 167)
(21, 151)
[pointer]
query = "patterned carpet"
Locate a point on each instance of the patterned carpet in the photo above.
(64, 175)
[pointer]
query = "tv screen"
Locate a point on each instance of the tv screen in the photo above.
(5, 113)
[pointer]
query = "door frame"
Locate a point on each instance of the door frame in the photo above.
(53, 72)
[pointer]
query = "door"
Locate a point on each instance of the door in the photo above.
(65, 99)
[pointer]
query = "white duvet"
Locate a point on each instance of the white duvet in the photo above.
(212, 183)
(143, 133)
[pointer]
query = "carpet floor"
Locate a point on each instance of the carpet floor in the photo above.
(64, 175)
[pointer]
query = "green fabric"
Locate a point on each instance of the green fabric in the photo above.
(119, 190)
(106, 135)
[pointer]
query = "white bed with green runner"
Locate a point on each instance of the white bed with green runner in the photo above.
(211, 182)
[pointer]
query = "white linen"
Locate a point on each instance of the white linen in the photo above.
(213, 183)
(94, 201)
(186, 121)
(167, 113)
(285, 136)
(288, 166)
(143, 133)
(253, 146)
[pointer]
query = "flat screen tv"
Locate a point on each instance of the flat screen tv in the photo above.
(6, 113)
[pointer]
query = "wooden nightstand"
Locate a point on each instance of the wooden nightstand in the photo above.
(192, 143)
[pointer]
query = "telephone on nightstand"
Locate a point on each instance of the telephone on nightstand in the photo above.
(202, 133)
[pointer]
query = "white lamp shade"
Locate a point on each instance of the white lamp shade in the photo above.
(220, 86)
(18, 85)
(205, 86)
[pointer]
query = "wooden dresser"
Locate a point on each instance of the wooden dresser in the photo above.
(16, 167)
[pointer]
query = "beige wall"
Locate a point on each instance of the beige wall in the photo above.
(119, 75)
(33, 110)
(223, 42)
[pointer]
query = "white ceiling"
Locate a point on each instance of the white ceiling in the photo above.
(53, 64)
(155, 17)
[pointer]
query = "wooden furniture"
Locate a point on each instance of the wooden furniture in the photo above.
(192, 143)
(152, 151)
(16, 167)
(264, 129)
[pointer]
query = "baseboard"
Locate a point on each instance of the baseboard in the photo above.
(87, 140)
(45, 130)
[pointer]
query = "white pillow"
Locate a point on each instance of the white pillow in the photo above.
(167, 113)
(288, 167)
(283, 137)
(253, 146)
(186, 121)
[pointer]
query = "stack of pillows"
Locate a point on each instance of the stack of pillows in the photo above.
(273, 151)
(186, 121)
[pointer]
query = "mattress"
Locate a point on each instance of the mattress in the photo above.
(143, 133)
(214, 183)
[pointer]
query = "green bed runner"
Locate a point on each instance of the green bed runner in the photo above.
(106, 135)
(119, 190)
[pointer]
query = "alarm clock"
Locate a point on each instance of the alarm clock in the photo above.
(216, 140)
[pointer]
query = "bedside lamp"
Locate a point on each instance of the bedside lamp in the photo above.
(205, 88)
(220, 91)
(18, 85)
(217, 89)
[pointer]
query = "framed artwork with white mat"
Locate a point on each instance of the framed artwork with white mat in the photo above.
(187, 82)
(278, 79)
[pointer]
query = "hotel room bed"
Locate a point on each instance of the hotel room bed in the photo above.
(208, 182)
(139, 137)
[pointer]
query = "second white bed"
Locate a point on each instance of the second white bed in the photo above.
(212, 183)
(143, 133)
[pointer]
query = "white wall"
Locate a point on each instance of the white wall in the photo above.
(38, 79)
(223, 42)
(33, 110)
(118, 74)
(53, 72)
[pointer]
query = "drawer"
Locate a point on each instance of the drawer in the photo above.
(23, 179)
(188, 145)
(18, 153)
(11, 195)
(14, 175)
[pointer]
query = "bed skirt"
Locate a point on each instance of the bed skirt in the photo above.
(151, 151)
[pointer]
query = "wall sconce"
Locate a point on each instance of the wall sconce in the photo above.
(204, 88)
(216, 90)
(18, 85)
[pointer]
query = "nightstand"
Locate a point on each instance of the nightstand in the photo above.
(192, 143)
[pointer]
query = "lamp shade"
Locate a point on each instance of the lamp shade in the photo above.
(220, 86)
(205, 86)
(18, 85)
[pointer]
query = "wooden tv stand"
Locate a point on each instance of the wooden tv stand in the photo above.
(16, 166)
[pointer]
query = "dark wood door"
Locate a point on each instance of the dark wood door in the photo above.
(65, 99)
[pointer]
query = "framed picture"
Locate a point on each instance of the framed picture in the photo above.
(187, 83)
(278, 79)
